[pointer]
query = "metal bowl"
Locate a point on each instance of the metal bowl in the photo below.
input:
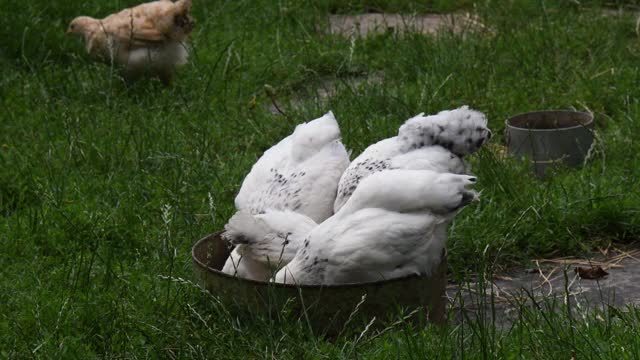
(550, 137)
(326, 308)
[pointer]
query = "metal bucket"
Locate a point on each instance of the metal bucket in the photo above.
(326, 308)
(550, 137)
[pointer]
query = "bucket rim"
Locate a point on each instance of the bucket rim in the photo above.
(587, 124)
(216, 272)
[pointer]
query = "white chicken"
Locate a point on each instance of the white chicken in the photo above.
(264, 242)
(385, 230)
(299, 177)
(436, 142)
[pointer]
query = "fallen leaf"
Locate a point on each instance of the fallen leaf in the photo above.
(592, 273)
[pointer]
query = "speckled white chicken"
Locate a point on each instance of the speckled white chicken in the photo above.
(387, 229)
(298, 177)
(435, 142)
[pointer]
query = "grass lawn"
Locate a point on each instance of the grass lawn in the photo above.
(104, 187)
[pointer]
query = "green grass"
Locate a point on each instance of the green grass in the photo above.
(105, 187)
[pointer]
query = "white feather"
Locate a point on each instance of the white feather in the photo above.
(300, 173)
(435, 142)
(288, 190)
(390, 227)
(245, 267)
(461, 131)
(159, 58)
(270, 239)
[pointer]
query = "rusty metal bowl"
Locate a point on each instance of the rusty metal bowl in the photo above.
(326, 308)
(550, 137)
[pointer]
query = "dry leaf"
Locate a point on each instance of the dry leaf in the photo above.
(592, 273)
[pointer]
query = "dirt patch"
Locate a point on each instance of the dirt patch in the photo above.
(553, 279)
(323, 89)
(363, 25)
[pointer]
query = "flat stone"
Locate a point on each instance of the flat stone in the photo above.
(363, 25)
(618, 12)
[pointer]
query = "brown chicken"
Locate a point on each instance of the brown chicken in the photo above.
(146, 39)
